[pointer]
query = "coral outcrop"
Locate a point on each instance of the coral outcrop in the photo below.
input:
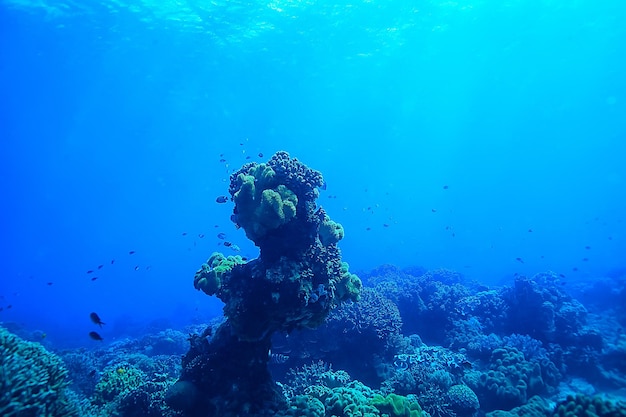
(32, 380)
(295, 283)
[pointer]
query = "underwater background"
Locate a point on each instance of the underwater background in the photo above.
(473, 152)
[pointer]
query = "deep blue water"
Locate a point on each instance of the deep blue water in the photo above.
(478, 132)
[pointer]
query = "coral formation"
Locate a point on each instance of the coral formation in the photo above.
(32, 380)
(463, 400)
(295, 283)
(584, 405)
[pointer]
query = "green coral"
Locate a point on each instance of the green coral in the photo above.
(330, 232)
(32, 380)
(397, 406)
(263, 205)
(209, 277)
(117, 381)
(303, 405)
(349, 286)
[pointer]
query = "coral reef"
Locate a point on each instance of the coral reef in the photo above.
(584, 405)
(32, 380)
(295, 283)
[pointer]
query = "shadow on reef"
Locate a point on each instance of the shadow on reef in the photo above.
(295, 283)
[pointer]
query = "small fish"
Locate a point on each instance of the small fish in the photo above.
(221, 199)
(562, 275)
(278, 357)
(368, 228)
(100, 266)
(50, 283)
(228, 244)
(260, 154)
(221, 235)
(385, 225)
(200, 235)
(445, 187)
(184, 233)
(587, 247)
(433, 210)
(575, 269)
(131, 252)
(222, 160)
(96, 319)
(136, 267)
(520, 260)
(94, 278)
(585, 259)
(248, 157)
(90, 271)
(112, 261)
(10, 306)
(530, 230)
(95, 336)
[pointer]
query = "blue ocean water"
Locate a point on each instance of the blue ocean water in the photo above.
(485, 137)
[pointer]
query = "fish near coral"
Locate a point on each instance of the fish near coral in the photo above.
(95, 336)
(96, 319)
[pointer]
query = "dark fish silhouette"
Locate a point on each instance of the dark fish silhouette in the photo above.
(100, 266)
(200, 235)
(260, 154)
(228, 244)
(131, 252)
(519, 260)
(433, 210)
(90, 271)
(184, 233)
(96, 319)
(95, 336)
(222, 160)
(136, 267)
(50, 283)
(445, 187)
(221, 235)
(221, 199)
(94, 278)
